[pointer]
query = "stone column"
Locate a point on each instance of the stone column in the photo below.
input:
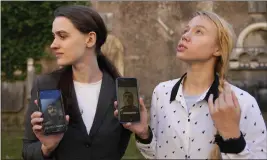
(30, 77)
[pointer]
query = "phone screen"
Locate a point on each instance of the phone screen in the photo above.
(52, 109)
(128, 100)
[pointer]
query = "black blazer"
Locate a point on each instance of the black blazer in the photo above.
(107, 140)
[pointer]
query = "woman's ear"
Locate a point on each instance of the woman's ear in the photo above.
(217, 52)
(90, 39)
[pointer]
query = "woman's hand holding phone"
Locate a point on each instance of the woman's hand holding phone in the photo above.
(49, 142)
(140, 128)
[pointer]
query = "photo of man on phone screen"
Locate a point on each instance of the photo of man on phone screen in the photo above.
(129, 107)
(52, 114)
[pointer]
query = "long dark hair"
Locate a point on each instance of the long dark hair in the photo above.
(86, 20)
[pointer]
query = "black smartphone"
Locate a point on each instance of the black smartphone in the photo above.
(51, 105)
(128, 100)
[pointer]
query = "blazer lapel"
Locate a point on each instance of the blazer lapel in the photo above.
(105, 101)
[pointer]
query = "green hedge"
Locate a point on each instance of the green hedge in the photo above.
(26, 30)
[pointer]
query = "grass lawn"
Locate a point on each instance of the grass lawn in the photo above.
(132, 152)
(11, 146)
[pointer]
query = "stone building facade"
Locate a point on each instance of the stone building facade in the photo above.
(149, 33)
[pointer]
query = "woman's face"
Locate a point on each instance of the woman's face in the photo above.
(69, 45)
(199, 41)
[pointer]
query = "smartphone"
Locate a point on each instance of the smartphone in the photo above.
(51, 105)
(128, 100)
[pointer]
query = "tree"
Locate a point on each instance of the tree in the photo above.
(26, 30)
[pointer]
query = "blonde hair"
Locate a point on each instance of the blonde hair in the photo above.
(226, 41)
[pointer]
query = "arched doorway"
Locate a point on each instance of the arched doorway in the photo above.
(248, 63)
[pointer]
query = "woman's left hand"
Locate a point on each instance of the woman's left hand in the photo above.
(225, 113)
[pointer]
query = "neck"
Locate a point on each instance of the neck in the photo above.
(87, 70)
(198, 79)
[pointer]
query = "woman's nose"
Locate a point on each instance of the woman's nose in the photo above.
(54, 44)
(186, 37)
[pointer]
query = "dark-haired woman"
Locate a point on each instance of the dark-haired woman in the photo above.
(87, 84)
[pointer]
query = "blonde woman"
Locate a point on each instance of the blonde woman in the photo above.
(193, 114)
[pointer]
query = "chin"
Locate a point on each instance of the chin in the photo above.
(53, 114)
(62, 62)
(181, 56)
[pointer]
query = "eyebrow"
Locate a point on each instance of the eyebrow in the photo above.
(198, 26)
(60, 32)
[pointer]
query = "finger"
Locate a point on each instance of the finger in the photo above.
(36, 102)
(217, 105)
(210, 103)
(235, 100)
(127, 125)
(36, 114)
(221, 101)
(35, 121)
(68, 118)
(228, 94)
(115, 104)
(37, 128)
(143, 107)
(116, 112)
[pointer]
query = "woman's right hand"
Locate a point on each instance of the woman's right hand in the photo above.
(49, 142)
(140, 128)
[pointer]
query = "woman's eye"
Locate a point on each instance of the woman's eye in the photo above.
(198, 31)
(62, 37)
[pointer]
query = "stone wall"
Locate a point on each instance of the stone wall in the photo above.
(150, 31)
(14, 100)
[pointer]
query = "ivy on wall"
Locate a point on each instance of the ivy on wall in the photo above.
(26, 30)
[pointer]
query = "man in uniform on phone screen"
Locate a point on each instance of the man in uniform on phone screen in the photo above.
(129, 108)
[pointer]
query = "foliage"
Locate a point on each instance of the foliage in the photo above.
(26, 31)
